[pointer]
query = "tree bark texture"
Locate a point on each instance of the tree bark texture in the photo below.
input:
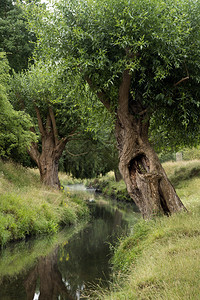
(145, 178)
(52, 148)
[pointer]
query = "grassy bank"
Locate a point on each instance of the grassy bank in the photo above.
(29, 208)
(109, 187)
(160, 258)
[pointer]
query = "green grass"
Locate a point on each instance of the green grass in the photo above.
(28, 208)
(109, 187)
(160, 258)
(180, 172)
(67, 179)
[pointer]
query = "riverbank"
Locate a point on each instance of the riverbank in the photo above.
(28, 208)
(160, 258)
(109, 187)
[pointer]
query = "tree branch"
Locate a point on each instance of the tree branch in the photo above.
(53, 121)
(48, 124)
(84, 153)
(40, 124)
(101, 95)
(34, 152)
(124, 91)
(183, 79)
(60, 147)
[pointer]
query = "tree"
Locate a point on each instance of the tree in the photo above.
(15, 39)
(141, 58)
(42, 92)
(14, 126)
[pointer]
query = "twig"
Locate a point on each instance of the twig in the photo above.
(76, 154)
(183, 79)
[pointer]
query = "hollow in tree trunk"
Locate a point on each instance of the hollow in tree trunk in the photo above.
(145, 178)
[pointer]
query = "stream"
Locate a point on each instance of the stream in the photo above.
(65, 266)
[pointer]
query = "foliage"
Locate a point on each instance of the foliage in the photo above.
(15, 39)
(166, 156)
(43, 92)
(191, 153)
(14, 126)
(157, 41)
(87, 128)
(41, 86)
(92, 154)
(27, 208)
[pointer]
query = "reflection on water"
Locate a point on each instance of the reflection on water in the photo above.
(72, 266)
(79, 187)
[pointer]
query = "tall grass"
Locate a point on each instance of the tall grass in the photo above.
(160, 258)
(29, 208)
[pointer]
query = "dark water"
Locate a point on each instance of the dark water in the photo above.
(65, 266)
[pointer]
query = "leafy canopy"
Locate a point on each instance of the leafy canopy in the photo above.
(157, 41)
(15, 39)
(15, 135)
(44, 85)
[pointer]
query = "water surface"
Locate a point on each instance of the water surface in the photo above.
(65, 266)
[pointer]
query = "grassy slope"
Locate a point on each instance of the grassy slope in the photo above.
(160, 259)
(28, 208)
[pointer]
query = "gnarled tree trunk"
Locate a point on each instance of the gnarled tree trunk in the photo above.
(52, 149)
(47, 161)
(145, 178)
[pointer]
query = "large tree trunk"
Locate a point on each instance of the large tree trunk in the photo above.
(48, 163)
(52, 149)
(145, 178)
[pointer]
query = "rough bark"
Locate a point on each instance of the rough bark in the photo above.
(47, 161)
(52, 148)
(145, 178)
